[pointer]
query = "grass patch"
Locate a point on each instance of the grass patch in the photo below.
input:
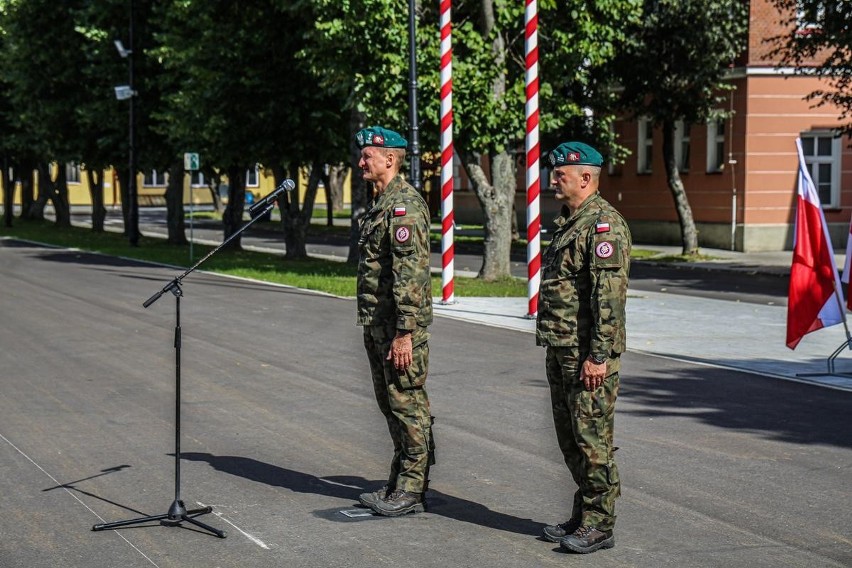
(676, 258)
(336, 278)
(643, 254)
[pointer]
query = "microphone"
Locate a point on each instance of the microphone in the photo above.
(286, 185)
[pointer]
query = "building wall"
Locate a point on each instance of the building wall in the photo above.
(749, 205)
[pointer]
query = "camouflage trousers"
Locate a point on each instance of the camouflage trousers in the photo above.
(403, 400)
(584, 428)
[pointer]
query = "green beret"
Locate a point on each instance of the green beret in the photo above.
(381, 137)
(574, 154)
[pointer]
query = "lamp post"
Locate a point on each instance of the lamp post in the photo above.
(414, 130)
(126, 92)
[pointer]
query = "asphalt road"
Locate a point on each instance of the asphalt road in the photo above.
(279, 433)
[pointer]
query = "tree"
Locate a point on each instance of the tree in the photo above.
(42, 58)
(672, 69)
(240, 99)
(824, 47)
(365, 59)
(363, 64)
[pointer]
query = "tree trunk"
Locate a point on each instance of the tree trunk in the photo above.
(59, 197)
(496, 199)
(8, 195)
(175, 213)
(26, 173)
(688, 232)
(232, 217)
(360, 194)
(214, 181)
(336, 177)
(295, 219)
(96, 191)
(124, 195)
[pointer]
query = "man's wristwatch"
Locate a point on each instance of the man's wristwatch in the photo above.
(597, 360)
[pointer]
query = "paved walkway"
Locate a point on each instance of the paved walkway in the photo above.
(747, 337)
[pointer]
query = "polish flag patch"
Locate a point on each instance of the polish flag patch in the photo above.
(398, 211)
(602, 228)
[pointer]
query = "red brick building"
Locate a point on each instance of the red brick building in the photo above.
(740, 173)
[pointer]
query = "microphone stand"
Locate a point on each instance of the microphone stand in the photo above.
(178, 512)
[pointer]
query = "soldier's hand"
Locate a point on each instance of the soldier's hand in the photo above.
(400, 351)
(592, 374)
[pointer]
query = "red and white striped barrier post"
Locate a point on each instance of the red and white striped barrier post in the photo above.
(447, 217)
(533, 151)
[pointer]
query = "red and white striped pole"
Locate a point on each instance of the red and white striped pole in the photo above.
(447, 217)
(533, 151)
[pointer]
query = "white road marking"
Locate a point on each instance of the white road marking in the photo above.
(59, 484)
(254, 539)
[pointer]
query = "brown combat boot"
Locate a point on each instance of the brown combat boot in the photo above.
(555, 533)
(587, 539)
(399, 502)
(368, 499)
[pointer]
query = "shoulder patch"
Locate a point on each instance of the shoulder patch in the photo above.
(402, 234)
(604, 249)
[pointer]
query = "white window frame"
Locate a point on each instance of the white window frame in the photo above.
(814, 161)
(72, 172)
(806, 24)
(682, 145)
(196, 179)
(716, 146)
(644, 146)
(253, 173)
(157, 179)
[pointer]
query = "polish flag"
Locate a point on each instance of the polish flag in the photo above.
(814, 298)
(847, 268)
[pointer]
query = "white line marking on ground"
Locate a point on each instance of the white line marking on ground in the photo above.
(254, 539)
(58, 483)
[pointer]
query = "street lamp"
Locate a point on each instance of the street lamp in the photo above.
(412, 99)
(122, 93)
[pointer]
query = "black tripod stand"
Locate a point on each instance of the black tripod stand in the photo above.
(178, 512)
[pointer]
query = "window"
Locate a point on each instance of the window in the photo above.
(196, 179)
(822, 155)
(645, 146)
(457, 171)
(682, 146)
(716, 145)
(252, 178)
(72, 172)
(810, 14)
(153, 178)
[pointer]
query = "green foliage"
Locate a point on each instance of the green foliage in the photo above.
(40, 62)
(675, 57)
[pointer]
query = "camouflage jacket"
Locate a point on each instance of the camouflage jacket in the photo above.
(394, 281)
(584, 281)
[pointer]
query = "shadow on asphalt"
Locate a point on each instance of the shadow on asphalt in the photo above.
(784, 411)
(349, 487)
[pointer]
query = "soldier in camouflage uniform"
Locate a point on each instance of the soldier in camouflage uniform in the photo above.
(581, 323)
(395, 308)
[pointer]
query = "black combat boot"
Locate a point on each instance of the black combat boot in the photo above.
(555, 533)
(399, 502)
(368, 499)
(587, 539)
